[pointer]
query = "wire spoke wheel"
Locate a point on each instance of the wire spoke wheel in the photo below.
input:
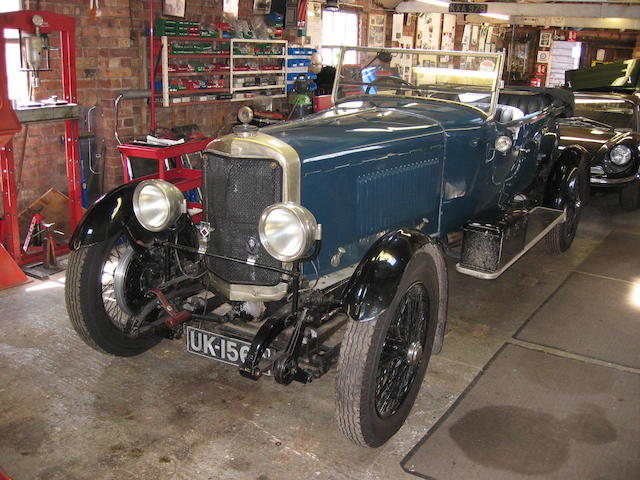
(105, 290)
(121, 280)
(383, 360)
(402, 351)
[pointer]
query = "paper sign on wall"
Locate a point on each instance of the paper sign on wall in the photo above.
(398, 23)
(448, 31)
(404, 62)
(376, 30)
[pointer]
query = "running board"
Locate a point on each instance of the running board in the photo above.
(489, 250)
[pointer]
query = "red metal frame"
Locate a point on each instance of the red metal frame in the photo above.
(152, 67)
(184, 178)
(65, 25)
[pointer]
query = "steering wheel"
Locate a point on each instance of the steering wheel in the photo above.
(389, 81)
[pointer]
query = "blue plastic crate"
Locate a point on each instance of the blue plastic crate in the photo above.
(298, 62)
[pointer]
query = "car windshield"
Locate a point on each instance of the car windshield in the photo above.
(467, 77)
(617, 113)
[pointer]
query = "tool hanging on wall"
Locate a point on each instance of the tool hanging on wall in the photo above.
(33, 48)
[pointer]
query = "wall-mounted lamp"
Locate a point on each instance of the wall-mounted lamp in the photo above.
(332, 5)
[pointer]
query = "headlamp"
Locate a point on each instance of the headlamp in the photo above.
(503, 143)
(620, 155)
(287, 231)
(158, 204)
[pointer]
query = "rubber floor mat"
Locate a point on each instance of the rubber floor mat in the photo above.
(592, 316)
(533, 415)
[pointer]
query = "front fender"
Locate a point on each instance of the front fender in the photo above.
(568, 161)
(108, 216)
(373, 285)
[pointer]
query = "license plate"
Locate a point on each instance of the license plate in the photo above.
(221, 348)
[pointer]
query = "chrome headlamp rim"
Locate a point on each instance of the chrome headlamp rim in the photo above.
(157, 204)
(503, 143)
(272, 236)
(624, 155)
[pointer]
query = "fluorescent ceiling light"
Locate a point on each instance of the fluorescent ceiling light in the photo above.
(437, 3)
(499, 16)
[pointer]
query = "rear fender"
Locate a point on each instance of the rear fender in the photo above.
(110, 215)
(373, 284)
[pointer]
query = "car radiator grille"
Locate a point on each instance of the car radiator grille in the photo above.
(236, 191)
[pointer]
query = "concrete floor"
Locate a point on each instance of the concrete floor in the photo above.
(71, 413)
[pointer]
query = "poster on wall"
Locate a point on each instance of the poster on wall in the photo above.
(488, 44)
(541, 70)
(543, 56)
(428, 31)
(230, 7)
(482, 40)
(545, 40)
(174, 8)
(314, 24)
(428, 36)
(448, 31)
(397, 28)
(376, 30)
(475, 36)
(466, 38)
(404, 62)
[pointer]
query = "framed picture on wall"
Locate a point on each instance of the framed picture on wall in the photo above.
(543, 56)
(376, 30)
(545, 40)
(174, 8)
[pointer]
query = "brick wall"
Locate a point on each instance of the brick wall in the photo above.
(110, 52)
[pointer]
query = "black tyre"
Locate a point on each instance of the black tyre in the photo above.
(383, 361)
(630, 196)
(568, 198)
(103, 293)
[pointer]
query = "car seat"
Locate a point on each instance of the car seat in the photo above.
(527, 102)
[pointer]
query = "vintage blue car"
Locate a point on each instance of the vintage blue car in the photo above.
(324, 239)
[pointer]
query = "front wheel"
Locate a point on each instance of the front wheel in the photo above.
(104, 291)
(383, 361)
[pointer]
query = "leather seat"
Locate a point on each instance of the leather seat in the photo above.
(526, 102)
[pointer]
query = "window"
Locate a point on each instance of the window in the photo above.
(18, 81)
(338, 28)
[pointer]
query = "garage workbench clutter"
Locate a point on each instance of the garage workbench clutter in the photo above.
(282, 240)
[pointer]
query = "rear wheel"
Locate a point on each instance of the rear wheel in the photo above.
(104, 291)
(630, 196)
(383, 361)
(568, 198)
